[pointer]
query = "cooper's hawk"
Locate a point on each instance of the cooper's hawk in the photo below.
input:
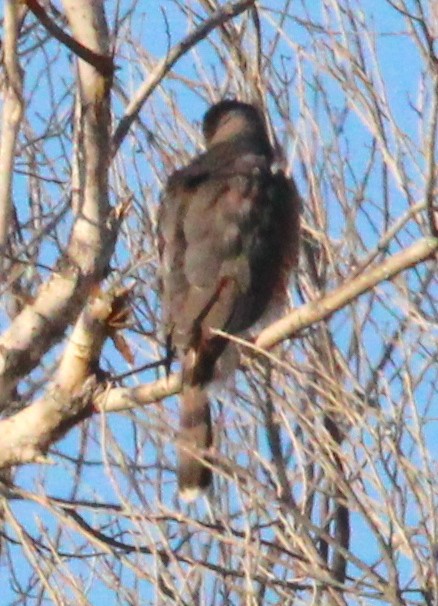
(228, 237)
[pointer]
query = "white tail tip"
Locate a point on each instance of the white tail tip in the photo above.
(190, 494)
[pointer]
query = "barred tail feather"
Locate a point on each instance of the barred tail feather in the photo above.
(195, 436)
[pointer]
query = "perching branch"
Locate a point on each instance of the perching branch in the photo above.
(318, 310)
(124, 398)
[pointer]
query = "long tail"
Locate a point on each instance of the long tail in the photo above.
(195, 436)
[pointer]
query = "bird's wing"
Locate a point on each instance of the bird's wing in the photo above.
(226, 234)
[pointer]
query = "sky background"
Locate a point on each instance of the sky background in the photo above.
(158, 26)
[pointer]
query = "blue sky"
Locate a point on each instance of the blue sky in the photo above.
(400, 66)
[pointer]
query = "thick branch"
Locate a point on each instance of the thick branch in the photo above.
(42, 323)
(11, 114)
(87, 21)
(27, 435)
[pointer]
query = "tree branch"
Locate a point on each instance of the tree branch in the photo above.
(11, 114)
(124, 398)
(102, 63)
(58, 302)
(323, 308)
(221, 16)
(27, 435)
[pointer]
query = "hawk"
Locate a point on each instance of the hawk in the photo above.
(228, 233)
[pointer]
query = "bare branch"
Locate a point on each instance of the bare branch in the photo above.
(12, 112)
(316, 311)
(221, 16)
(124, 398)
(42, 323)
(28, 434)
(101, 63)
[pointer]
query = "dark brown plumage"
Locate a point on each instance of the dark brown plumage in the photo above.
(228, 237)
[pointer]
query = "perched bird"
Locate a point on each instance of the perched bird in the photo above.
(228, 234)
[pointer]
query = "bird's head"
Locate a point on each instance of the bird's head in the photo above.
(231, 118)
